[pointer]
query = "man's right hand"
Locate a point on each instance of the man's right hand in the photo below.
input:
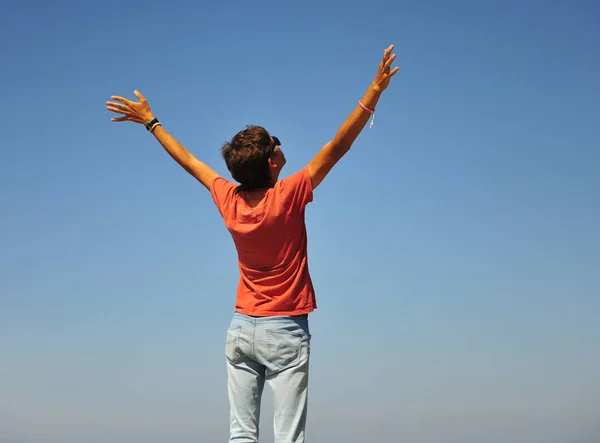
(137, 112)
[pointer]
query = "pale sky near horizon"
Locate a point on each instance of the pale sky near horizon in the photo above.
(455, 251)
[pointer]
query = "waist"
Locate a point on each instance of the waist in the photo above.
(302, 316)
(256, 320)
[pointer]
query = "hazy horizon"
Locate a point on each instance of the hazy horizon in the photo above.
(455, 250)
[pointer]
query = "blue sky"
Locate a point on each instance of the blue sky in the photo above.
(455, 250)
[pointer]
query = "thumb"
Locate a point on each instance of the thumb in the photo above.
(139, 95)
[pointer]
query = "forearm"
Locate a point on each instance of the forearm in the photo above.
(202, 172)
(173, 147)
(357, 120)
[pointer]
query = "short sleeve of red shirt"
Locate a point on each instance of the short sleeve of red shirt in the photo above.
(297, 189)
(223, 193)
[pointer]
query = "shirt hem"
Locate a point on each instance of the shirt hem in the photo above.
(263, 313)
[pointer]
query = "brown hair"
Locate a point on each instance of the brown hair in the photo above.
(247, 157)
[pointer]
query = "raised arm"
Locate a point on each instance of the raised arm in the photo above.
(139, 112)
(332, 152)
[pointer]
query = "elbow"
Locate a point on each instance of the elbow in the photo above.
(340, 147)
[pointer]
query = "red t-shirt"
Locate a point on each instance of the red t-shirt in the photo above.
(271, 244)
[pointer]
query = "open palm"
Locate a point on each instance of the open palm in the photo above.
(137, 112)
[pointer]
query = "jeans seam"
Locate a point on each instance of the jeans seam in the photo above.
(236, 342)
(254, 340)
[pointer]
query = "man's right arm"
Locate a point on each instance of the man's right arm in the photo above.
(333, 151)
(197, 169)
(140, 112)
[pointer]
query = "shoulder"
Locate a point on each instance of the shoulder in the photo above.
(222, 192)
(299, 178)
(297, 187)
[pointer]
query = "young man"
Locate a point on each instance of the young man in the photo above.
(268, 339)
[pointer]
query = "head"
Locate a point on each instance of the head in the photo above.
(254, 158)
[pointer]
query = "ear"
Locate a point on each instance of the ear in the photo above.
(272, 163)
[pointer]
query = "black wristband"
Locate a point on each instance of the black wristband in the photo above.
(151, 123)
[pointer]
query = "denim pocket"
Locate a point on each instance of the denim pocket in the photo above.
(232, 344)
(284, 348)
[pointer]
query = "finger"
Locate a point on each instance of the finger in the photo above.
(121, 99)
(116, 105)
(387, 52)
(393, 72)
(126, 119)
(389, 62)
(139, 95)
(118, 110)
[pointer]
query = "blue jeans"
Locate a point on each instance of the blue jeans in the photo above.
(275, 350)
